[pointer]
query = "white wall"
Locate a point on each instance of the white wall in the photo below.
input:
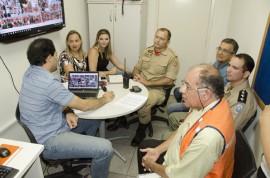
(247, 24)
(14, 55)
(218, 25)
(152, 22)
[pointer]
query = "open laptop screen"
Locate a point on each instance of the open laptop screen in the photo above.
(83, 81)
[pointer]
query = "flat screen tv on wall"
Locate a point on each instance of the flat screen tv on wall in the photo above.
(21, 19)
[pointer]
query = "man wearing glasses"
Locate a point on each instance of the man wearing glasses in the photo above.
(227, 48)
(238, 93)
(203, 145)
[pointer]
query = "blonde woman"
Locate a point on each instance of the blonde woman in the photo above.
(101, 54)
(73, 58)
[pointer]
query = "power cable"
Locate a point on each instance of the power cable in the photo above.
(10, 75)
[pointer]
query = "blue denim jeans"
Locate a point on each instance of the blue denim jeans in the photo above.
(177, 94)
(72, 144)
(177, 107)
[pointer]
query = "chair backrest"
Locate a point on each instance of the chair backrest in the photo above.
(249, 121)
(67, 164)
(167, 89)
(244, 161)
(26, 129)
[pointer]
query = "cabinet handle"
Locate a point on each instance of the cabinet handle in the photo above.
(115, 14)
(111, 16)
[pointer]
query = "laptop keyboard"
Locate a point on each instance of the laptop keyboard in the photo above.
(7, 172)
(86, 95)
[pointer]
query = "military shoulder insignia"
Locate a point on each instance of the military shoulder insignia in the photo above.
(149, 53)
(238, 108)
(242, 97)
(173, 52)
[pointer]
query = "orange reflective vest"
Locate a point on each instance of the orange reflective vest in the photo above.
(220, 118)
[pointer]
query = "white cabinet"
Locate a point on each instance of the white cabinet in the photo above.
(128, 30)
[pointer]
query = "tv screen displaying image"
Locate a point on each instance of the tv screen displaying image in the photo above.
(21, 19)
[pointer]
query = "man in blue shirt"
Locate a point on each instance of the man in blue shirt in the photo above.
(45, 107)
(227, 48)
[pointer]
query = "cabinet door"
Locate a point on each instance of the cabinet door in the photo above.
(100, 17)
(127, 33)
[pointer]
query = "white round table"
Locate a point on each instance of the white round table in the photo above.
(116, 108)
(124, 102)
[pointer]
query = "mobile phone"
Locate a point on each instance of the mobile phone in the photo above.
(135, 89)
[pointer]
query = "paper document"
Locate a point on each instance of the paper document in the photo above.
(149, 175)
(115, 78)
(131, 101)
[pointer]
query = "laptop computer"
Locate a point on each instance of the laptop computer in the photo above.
(84, 84)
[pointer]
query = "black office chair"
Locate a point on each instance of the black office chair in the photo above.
(244, 161)
(249, 121)
(260, 173)
(154, 110)
(70, 171)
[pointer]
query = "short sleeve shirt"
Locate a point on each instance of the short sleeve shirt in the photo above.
(42, 98)
(66, 59)
(222, 70)
(242, 110)
(155, 67)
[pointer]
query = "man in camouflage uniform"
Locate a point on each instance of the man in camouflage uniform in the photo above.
(157, 66)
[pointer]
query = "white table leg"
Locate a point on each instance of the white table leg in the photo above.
(102, 129)
(119, 155)
(102, 135)
(120, 137)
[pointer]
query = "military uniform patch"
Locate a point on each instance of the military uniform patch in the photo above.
(242, 97)
(238, 108)
(174, 64)
(149, 53)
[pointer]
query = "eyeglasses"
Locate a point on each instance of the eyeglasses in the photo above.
(224, 51)
(187, 87)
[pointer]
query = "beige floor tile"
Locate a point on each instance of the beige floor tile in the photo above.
(133, 168)
(115, 175)
(118, 165)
